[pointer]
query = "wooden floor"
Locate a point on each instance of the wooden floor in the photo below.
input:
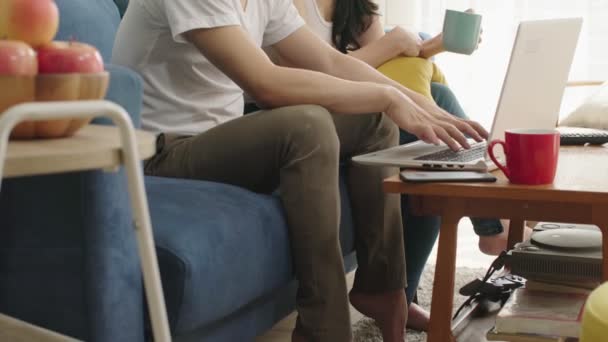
(281, 332)
(468, 255)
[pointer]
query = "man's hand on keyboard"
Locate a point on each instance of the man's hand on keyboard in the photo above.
(429, 123)
(469, 127)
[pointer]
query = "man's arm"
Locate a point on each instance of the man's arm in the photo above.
(303, 49)
(276, 86)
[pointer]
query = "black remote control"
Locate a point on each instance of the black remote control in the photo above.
(582, 136)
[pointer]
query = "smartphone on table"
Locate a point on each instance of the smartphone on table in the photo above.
(421, 176)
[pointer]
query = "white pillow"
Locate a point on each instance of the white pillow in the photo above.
(593, 113)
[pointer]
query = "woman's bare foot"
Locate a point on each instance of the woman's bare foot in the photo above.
(388, 309)
(417, 318)
(495, 244)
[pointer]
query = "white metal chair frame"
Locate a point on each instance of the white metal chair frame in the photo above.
(141, 216)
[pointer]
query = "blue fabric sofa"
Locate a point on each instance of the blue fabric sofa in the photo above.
(68, 258)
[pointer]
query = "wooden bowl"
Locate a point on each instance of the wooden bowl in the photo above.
(16, 90)
(62, 87)
(92, 87)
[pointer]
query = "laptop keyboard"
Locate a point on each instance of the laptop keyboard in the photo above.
(477, 151)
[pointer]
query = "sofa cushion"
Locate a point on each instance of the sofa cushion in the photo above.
(220, 247)
(90, 21)
(68, 256)
(593, 113)
(126, 90)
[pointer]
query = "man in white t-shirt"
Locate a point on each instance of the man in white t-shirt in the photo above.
(197, 56)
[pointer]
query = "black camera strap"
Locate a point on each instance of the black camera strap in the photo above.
(492, 289)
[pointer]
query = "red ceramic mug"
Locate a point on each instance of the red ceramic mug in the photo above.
(531, 155)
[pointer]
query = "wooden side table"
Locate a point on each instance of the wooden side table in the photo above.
(578, 195)
(93, 147)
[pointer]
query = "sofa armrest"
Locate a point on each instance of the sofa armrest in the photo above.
(125, 89)
(69, 256)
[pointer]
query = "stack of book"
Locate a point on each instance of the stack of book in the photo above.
(541, 312)
(562, 266)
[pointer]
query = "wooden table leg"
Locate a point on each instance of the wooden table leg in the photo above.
(516, 233)
(440, 326)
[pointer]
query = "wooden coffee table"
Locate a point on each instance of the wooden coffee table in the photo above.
(578, 195)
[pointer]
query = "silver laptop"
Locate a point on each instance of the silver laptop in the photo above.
(531, 98)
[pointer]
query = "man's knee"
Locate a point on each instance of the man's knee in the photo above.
(311, 116)
(312, 126)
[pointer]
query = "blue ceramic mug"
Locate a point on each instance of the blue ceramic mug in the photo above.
(461, 31)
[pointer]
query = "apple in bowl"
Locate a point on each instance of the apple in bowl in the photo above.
(32, 21)
(68, 57)
(60, 63)
(17, 59)
(18, 68)
(67, 71)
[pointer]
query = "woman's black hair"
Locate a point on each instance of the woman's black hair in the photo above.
(351, 19)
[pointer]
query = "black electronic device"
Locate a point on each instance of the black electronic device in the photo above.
(582, 136)
(559, 252)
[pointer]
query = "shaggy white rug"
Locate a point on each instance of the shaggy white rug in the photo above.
(366, 331)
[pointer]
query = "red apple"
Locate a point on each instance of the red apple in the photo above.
(17, 59)
(68, 57)
(32, 21)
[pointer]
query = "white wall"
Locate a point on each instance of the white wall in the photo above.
(477, 79)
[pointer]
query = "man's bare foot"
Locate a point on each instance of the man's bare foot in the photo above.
(417, 318)
(495, 244)
(388, 309)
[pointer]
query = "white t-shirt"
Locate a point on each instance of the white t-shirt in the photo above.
(183, 92)
(316, 22)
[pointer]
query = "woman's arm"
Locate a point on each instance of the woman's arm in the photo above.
(435, 46)
(432, 47)
(378, 47)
